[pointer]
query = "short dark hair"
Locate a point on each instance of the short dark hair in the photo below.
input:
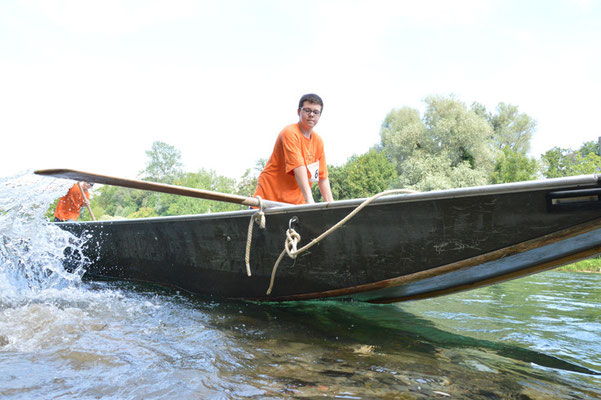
(311, 98)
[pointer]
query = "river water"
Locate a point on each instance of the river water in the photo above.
(63, 337)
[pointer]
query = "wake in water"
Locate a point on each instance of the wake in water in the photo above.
(32, 250)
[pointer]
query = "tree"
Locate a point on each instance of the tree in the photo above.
(361, 176)
(403, 133)
(144, 212)
(512, 129)
(481, 111)
(203, 179)
(560, 162)
(589, 147)
(554, 162)
(113, 201)
(248, 183)
(512, 132)
(117, 202)
(514, 166)
(582, 165)
(449, 147)
(163, 164)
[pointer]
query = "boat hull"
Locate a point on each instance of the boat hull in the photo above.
(398, 248)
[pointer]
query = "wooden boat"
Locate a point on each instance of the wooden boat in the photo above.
(399, 247)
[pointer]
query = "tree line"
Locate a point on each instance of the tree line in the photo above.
(450, 145)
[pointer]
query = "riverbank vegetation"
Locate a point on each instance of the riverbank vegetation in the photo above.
(588, 265)
(450, 145)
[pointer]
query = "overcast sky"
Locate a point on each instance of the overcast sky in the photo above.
(91, 84)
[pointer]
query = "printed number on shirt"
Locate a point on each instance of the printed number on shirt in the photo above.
(313, 171)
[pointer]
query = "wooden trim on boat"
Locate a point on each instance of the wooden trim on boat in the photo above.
(498, 279)
(463, 264)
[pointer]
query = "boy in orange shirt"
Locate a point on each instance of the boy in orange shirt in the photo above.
(298, 159)
(69, 205)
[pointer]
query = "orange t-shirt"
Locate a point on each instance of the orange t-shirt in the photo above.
(68, 206)
(292, 149)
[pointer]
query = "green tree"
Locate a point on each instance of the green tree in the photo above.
(512, 132)
(555, 162)
(248, 182)
(582, 165)
(589, 147)
(514, 166)
(113, 201)
(163, 164)
(203, 179)
(560, 162)
(361, 176)
(481, 111)
(450, 146)
(144, 212)
(403, 133)
(512, 129)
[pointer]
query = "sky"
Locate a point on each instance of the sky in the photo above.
(90, 85)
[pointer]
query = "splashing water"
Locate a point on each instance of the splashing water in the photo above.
(32, 250)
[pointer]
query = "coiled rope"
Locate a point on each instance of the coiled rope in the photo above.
(293, 238)
(259, 218)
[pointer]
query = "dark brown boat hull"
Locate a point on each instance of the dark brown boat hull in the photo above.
(399, 248)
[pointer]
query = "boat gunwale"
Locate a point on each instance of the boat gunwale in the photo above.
(494, 189)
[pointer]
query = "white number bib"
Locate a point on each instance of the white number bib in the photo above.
(313, 171)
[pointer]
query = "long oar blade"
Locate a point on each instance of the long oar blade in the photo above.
(155, 187)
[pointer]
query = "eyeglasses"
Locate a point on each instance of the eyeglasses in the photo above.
(308, 111)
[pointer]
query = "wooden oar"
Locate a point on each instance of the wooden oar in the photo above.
(86, 202)
(156, 187)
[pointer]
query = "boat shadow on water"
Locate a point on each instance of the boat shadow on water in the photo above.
(390, 327)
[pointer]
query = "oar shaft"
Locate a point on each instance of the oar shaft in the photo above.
(156, 187)
(86, 202)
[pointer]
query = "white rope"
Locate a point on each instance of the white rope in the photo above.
(292, 237)
(259, 218)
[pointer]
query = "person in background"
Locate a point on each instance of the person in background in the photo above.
(298, 159)
(69, 205)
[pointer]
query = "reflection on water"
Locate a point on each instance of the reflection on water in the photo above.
(534, 338)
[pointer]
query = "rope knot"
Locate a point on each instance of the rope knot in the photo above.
(259, 218)
(292, 239)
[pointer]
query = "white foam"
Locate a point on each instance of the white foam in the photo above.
(31, 248)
